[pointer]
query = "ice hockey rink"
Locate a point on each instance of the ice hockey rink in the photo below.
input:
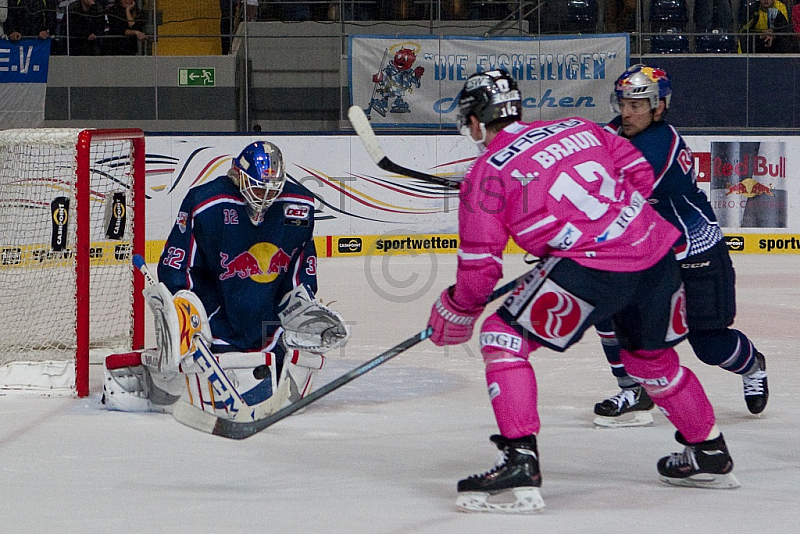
(383, 454)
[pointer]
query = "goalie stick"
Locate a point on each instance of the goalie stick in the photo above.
(367, 135)
(211, 424)
(224, 391)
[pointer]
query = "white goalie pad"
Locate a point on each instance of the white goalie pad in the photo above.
(177, 319)
(252, 374)
(310, 326)
(299, 371)
(130, 386)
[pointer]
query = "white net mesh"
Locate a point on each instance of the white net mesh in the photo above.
(37, 246)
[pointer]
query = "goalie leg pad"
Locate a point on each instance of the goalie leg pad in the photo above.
(300, 371)
(253, 374)
(125, 389)
(310, 326)
(133, 389)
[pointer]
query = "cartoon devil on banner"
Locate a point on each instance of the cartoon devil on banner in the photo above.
(395, 80)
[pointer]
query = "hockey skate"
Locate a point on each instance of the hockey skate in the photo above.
(700, 465)
(629, 407)
(756, 392)
(512, 487)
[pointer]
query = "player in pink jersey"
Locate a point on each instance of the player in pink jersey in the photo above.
(574, 195)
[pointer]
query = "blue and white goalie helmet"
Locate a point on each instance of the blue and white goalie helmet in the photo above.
(642, 81)
(259, 173)
(491, 96)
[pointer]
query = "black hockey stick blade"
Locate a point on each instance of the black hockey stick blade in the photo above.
(240, 430)
(367, 135)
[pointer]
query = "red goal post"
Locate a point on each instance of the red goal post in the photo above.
(72, 204)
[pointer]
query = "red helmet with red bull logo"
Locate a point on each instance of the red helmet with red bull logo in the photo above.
(642, 81)
(259, 173)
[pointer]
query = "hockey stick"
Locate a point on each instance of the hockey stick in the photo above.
(224, 391)
(375, 87)
(227, 428)
(365, 132)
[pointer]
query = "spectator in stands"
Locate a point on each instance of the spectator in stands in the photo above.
(620, 15)
(251, 11)
(126, 29)
(85, 23)
(796, 25)
(350, 10)
(228, 10)
(713, 15)
(770, 24)
(30, 18)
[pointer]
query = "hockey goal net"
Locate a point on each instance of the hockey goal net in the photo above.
(71, 216)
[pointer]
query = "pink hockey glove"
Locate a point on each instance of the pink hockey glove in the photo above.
(450, 322)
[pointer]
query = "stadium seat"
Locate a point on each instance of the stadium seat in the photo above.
(669, 41)
(581, 16)
(668, 19)
(715, 42)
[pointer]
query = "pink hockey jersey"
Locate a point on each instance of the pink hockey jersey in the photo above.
(559, 188)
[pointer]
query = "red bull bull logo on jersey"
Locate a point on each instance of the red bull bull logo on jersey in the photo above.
(243, 265)
(262, 263)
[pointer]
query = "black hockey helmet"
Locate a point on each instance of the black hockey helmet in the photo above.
(491, 96)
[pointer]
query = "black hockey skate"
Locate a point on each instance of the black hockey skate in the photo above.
(701, 465)
(756, 392)
(629, 407)
(511, 487)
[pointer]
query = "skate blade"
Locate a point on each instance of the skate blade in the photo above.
(525, 500)
(705, 480)
(629, 419)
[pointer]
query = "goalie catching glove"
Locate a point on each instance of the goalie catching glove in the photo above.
(310, 326)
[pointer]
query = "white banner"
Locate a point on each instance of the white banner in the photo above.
(752, 181)
(23, 82)
(414, 80)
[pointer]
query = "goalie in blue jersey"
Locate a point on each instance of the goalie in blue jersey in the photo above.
(242, 254)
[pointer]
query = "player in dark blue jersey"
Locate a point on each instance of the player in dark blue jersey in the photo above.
(241, 255)
(642, 96)
(242, 249)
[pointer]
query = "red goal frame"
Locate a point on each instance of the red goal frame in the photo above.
(83, 243)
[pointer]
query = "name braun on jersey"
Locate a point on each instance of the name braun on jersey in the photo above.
(529, 139)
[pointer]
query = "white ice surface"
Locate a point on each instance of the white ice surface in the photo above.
(383, 454)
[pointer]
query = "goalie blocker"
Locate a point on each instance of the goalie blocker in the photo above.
(156, 379)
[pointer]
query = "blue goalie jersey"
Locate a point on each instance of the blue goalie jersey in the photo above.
(676, 196)
(241, 271)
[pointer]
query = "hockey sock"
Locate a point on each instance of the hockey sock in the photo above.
(726, 348)
(512, 390)
(675, 390)
(610, 344)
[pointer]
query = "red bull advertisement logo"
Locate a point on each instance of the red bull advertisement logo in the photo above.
(750, 165)
(749, 188)
(749, 184)
(262, 263)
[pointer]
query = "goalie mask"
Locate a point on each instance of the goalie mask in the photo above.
(490, 96)
(259, 173)
(642, 81)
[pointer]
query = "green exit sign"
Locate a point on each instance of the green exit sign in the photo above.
(204, 77)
